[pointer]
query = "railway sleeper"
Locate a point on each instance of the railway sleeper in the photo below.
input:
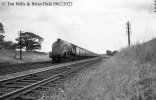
(6, 90)
(25, 98)
(31, 95)
(12, 86)
(13, 80)
(41, 88)
(50, 85)
(59, 81)
(1, 93)
(35, 79)
(21, 83)
(29, 80)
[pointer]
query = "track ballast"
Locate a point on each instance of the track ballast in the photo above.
(19, 87)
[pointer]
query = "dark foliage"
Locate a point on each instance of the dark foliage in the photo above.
(111, 53)
(1, 28)
(114, 52)
(1, 39)
(5, 44)
(1, 35)
(9, 45)
(29, 41)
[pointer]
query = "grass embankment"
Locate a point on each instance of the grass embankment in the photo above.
(129, 74)
(13, 57)
(126, 76)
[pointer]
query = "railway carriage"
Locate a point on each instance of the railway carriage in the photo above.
(65, 51)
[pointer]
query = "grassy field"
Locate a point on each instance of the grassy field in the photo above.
(12, 56)
(129, 75)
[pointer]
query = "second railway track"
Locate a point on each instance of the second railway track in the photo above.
(17, 87)
(13, 68)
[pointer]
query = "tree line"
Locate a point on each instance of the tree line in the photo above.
(27, 40)
(111, 53)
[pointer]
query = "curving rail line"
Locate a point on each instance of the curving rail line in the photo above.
(33, 81)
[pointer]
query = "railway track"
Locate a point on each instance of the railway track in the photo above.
(17, 88)
(13, 68)
(9, 69)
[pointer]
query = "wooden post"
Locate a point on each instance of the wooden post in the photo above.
(128, 31)
(20, 45)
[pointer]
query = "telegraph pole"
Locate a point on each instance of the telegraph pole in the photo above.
(128, 32)
(20, 45)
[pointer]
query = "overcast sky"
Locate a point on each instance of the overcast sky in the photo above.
(97, 25)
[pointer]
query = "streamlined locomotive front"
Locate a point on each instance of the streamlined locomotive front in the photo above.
(60, 50)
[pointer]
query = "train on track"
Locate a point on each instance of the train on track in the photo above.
(65, 51)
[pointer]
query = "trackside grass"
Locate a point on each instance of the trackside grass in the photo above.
(129, 75)
(13, 57)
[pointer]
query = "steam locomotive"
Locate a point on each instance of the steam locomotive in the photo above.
(65, 51)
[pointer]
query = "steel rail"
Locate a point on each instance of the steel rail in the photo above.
(7, 79)
(28, 88)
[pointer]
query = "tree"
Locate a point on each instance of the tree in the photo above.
(109, 52)
(5, 44)
(1, 35)
(114, 52)
(29, 41)
(9, 45)
(1, 39)
(1, 28)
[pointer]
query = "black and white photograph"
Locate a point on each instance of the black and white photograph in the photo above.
(77, 49)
